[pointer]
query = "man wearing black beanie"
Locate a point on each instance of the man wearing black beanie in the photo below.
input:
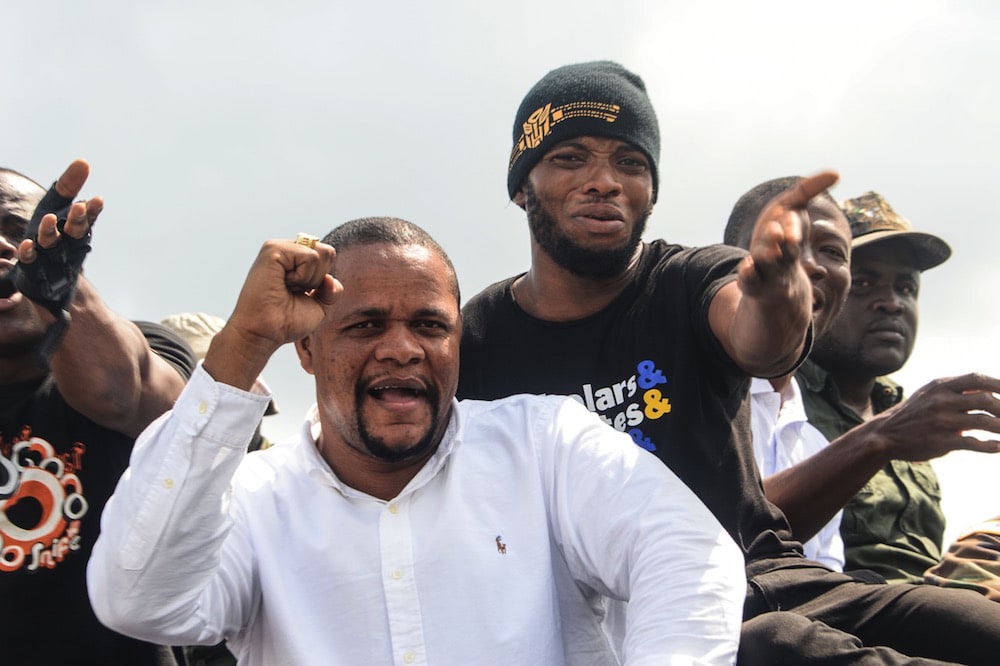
(661, 340)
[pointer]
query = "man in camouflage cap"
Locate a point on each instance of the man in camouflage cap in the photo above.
(895, 524)
(873, 220)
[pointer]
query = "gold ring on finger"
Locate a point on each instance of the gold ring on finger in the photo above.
(306, 239)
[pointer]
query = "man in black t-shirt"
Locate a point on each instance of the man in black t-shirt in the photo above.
(661, 341)
(68, 419)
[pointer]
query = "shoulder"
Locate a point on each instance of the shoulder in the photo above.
(660, 251)
(522, 407)
(495, 301)
(489, 297)
(701, 269)
(811, 378)
(170, 346)
(544, 422)
(268, 466)
(542, 414)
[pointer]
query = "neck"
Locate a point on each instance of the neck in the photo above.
(856, 393)
(378, 478)
(550, 292)
(779, 384)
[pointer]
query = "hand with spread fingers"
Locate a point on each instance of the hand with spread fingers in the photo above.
(763, 317)
(58, 239)
(781, 231)
(937, 418)
(51, 256)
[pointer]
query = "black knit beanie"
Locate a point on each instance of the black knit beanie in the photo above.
(586, 99)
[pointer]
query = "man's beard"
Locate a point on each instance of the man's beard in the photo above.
(580, 261)
(20, 348)
(376, 446)
(828, 352)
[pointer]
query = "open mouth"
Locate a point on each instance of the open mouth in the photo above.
(7, 288)
(397, 390)
(394, 393)
(601, 213)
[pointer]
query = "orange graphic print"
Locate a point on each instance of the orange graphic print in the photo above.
(540, 122)
(41, 505)
(537, 126)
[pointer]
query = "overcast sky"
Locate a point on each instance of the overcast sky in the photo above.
(212, 126)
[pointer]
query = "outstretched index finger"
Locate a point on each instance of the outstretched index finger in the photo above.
(72, 179)
(806, 189)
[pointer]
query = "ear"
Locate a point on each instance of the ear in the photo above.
(303, 348)
(519, 198)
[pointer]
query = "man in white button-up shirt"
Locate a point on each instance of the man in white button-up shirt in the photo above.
(401, 527)
(782, 438)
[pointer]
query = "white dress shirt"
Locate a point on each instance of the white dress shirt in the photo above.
(782, 438)
(493, 553)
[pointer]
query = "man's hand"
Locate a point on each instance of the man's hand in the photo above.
(285, 297)
(931, 422)
(761, 319)
(927, 425)
(51, 256)
(778, 237)
(80, 217)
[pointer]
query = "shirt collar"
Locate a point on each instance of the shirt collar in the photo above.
(885, 393)
(815, 378)
(791, 408)
(316, 467)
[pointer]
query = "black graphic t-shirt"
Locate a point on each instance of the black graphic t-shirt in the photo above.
(649, 365)
(57, 471)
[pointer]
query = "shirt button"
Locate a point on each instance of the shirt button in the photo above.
(397, 574)
(168, 483)
(409, 657)
(393, 509)
(202, 407)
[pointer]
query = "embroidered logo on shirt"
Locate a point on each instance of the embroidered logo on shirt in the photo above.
(501, 546)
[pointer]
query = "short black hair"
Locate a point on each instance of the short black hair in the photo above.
(749, 206)
(393, 231)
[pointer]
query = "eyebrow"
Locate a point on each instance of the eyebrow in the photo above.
(822, 232)
(576, 143)
(383, 313)
(13, 226)
(568, 143)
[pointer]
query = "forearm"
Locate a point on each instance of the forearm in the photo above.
(772, 341)
(686, 600)
(648, 539)
(764, 335)
(106, 370)
(154, 572)
(236, 358)
(813, 491)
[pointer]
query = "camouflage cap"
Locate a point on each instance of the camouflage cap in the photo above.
(872, 219)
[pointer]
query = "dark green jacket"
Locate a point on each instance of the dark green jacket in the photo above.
(895, 524)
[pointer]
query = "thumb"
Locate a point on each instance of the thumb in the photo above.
(327, 292)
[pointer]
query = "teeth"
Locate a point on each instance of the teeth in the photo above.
(412, 391)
